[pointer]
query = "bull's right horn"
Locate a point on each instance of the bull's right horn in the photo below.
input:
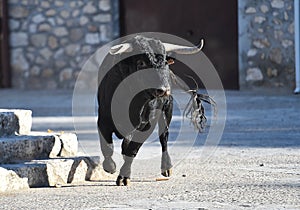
(120, 48)
(183, 49)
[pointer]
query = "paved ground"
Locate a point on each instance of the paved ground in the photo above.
(255, 166)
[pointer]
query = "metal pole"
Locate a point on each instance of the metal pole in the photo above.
(297, 45)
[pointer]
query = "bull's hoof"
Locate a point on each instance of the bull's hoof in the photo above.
(167, 173)
(109, 165)
(123, 181)
(119, 181)
(126, 181)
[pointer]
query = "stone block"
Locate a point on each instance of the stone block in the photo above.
(278, 4)
(68, 141)
(60, 171)
(69, 144)
(89, 8)
(43, 173)
(95, 171)
(21, 148)
(19, 61)
(76, 34)
(39, 18)
(19, 12)
(61, 31)
(37, 145)
(15, 121)
(18, 39)
(250, 10)
(103, 18)
(35, 173)
(276, 55)
(92, 38)
(10, 181)
(254, 74)
(38, 40)
(78, 171)
(105, 5)
(264, 8)
(52, 42)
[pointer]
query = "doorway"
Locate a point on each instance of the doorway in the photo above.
(216, 21)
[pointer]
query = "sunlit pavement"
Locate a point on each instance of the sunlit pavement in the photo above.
(256, 164)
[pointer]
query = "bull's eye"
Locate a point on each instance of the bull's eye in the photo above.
(141, 64)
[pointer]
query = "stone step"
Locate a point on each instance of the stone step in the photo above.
(37, 145)
(60, 171)
(10, 181)
(15, 121)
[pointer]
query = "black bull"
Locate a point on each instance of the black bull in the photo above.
(148, 107)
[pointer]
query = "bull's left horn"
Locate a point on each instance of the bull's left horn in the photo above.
(183, 49)
(120, 48)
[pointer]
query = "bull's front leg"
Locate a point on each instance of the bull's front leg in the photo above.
(166, 163)
(129, 150)
(163, 123)
(107, 148)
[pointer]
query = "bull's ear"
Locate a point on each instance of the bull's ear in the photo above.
(120, 48)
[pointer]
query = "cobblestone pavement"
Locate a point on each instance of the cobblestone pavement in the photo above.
(255, 166)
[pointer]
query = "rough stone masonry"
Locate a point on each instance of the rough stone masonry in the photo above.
(51, 39)
(266, 43)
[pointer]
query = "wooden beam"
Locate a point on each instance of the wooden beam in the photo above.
(5, 55)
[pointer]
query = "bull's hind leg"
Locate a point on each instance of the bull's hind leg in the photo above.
(163, 123)
(107, 149)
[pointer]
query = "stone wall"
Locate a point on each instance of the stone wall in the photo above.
(266, 43)
(51, 39)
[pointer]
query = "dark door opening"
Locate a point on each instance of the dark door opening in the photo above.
(5, 77)
(214, 20)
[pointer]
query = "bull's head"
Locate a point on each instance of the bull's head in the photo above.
(151, 53)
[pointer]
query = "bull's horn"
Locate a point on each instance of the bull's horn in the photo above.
(120, 48)
(183, 49)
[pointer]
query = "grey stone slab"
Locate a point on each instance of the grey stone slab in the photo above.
(43, 173)
(10, 181)
(68, 141)
(37, 145)
(21, 148)
(15, 121)
(60, 171)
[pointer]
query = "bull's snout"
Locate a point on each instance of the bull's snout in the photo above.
(162, 92)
